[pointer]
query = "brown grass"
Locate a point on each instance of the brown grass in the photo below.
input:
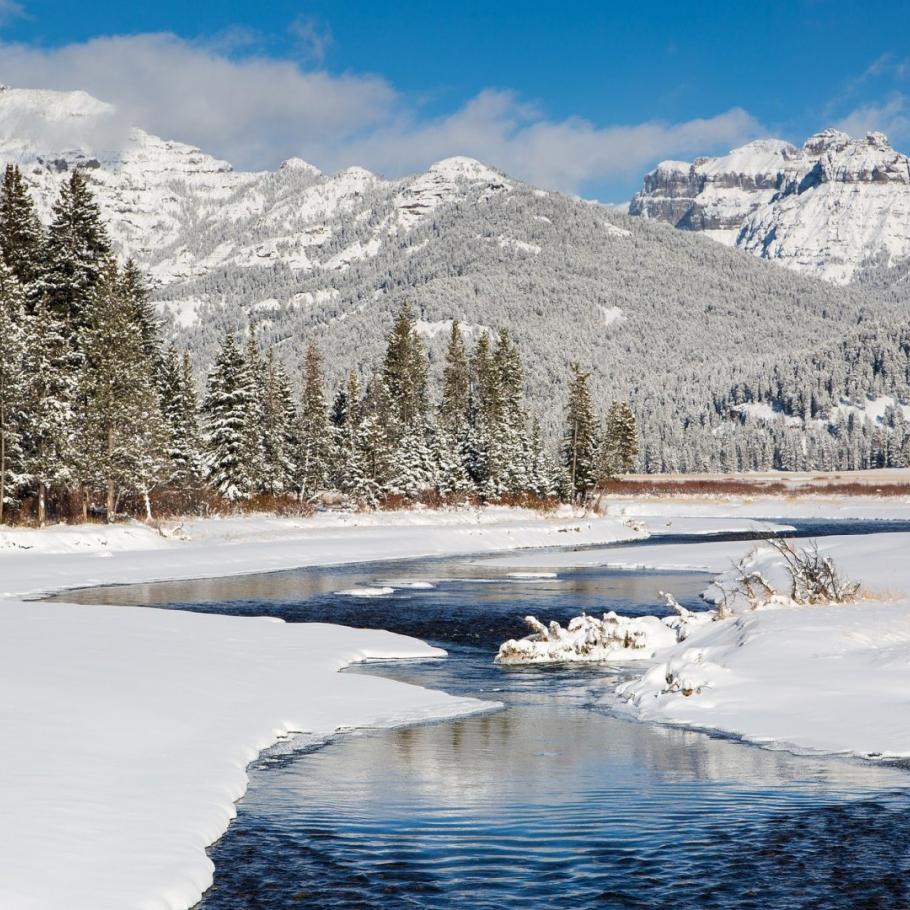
(728, 487)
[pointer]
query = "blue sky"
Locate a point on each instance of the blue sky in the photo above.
(577, 96)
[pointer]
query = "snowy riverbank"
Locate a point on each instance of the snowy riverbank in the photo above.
(832, 679)
(126, 732)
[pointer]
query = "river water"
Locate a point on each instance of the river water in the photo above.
(550, 802)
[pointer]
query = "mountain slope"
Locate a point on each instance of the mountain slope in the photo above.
(667, 318)
(833, 208)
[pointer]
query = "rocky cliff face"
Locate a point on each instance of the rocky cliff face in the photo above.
(831, 208)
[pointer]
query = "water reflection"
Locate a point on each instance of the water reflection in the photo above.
(552, 807)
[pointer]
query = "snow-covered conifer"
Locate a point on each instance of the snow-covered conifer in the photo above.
(121, 437)
(48, 399)
(20, 230)
(316, 435)
(278, 428)
(404, 373)
(75, 250)
(181, 414)
(13, 413)
(579, 441)
(225, 410)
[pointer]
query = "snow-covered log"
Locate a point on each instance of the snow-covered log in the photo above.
(587, 638)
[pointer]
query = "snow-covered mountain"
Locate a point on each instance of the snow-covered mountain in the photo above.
(668, 318)
(182, 212)
(833, 208)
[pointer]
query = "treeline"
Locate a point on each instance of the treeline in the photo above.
(820, 413)
(393, 440)
(96, 417)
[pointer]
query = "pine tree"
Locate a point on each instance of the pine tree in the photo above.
(75, 251)
(180, 410)
(456, 385)
(579, 444)
(316, 434)
(48, 401)
(278, 428)
(12, 386)
(225, 409)
(404, 372)
(121, 438)
(20, 230)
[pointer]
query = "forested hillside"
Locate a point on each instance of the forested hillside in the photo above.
(662, 318)
(97, 417)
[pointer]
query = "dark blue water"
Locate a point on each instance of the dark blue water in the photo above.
(551, 802)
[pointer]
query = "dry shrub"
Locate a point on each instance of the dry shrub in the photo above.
(745, 487)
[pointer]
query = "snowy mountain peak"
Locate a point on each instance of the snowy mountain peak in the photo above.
(830, 208)
(461, 168)
(298, 164)
(829, 140)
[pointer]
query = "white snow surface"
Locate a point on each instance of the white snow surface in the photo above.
(827, 678)
(126, 731)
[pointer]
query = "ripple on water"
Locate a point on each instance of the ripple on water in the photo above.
(556, 807)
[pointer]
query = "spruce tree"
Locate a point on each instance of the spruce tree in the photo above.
(148, 321)
(315, 432)
(13, 415)
(412, 464)
(253, 385)
(121, 435)
(48, 400)
(579, 442)
(75, 250)
(456, 385)
(404, 372)
(278, 428)
(225, 410)
(20, 230)
(619, 447)
(180, 410)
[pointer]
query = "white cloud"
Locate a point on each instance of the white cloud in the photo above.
(892, 118)
(10, 10)
(255, 111)
(501, 130)
(312, 38)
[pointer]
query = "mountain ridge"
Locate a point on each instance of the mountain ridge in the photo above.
(833, 208)
(666, 319)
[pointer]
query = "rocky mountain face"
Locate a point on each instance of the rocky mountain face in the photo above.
(834, 208)
(667, 318)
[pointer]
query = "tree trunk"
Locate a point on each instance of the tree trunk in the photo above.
(574, 458)
(84, 504)
(2, 463)
(110, 477)
(148, 505)
(42, 504)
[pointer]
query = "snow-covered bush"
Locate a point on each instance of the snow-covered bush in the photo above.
(777, 573)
